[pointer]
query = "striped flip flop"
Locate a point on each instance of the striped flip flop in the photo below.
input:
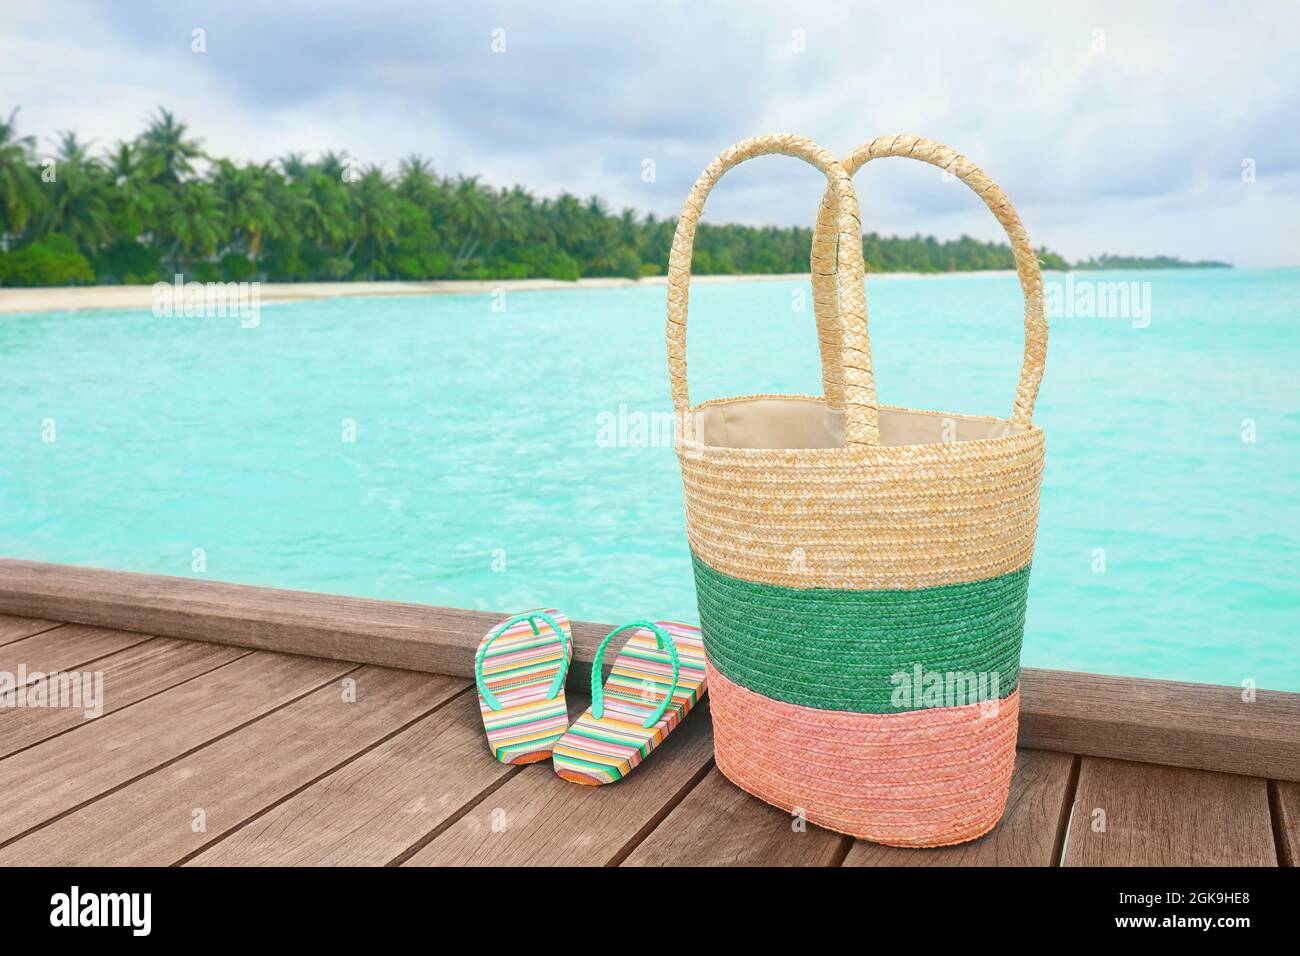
(520, 668)
(656, 679)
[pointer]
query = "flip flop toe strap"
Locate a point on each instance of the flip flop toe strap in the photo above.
(532, 617)
(665, 641)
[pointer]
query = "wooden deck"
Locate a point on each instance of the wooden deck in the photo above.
(244, 726)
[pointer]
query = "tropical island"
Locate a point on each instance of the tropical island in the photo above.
(156, 206)
(1157, 262)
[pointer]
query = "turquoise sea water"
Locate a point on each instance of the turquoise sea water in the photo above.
(481, 476)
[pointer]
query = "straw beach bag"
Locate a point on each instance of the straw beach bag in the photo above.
(861, 569)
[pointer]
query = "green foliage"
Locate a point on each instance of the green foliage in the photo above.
(129, 262)
(51, 260)
(157, 205)
(20, 186)
(236, 267)
(563, 267)
(1107, 261)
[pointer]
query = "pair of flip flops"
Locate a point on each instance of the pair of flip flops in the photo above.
(520, 668)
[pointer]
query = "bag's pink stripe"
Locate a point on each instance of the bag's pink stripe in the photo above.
(919, 778)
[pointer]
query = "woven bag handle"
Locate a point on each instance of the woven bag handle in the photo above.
(1031, 280)
(846, 357)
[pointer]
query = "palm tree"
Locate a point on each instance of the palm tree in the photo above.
(20, 190)
(334, 164)
(194, 223)
(68, 149)
(417, 182)
(77, 205)
(603, 251)
(373, 213)
(629, 228)
(121, 163)
(568, 220)
(506, 221)
(241, 191)
(470, 207)
(322, 209)
(470, 213)
(166, 153)
(133, 200)
(294, 166)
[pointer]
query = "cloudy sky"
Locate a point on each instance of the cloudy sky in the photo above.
(1114, 127)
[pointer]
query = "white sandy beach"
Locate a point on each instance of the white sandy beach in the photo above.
(72, 298)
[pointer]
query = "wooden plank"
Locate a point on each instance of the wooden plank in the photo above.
(1286, 821)
(16, 628)
(1028, 835)
(1192, 725)
(1131, 814)
(536, 818)
(65, 648)
(129, 676)
(718, 824)
(410, 636)
(60, 774)
(152, 822)
(1203, 726)
(370, 812)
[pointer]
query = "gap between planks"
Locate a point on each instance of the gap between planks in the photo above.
(60, 808)
(184, 661)
(296, 791)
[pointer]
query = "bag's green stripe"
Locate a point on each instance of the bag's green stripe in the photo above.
(874, 652)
